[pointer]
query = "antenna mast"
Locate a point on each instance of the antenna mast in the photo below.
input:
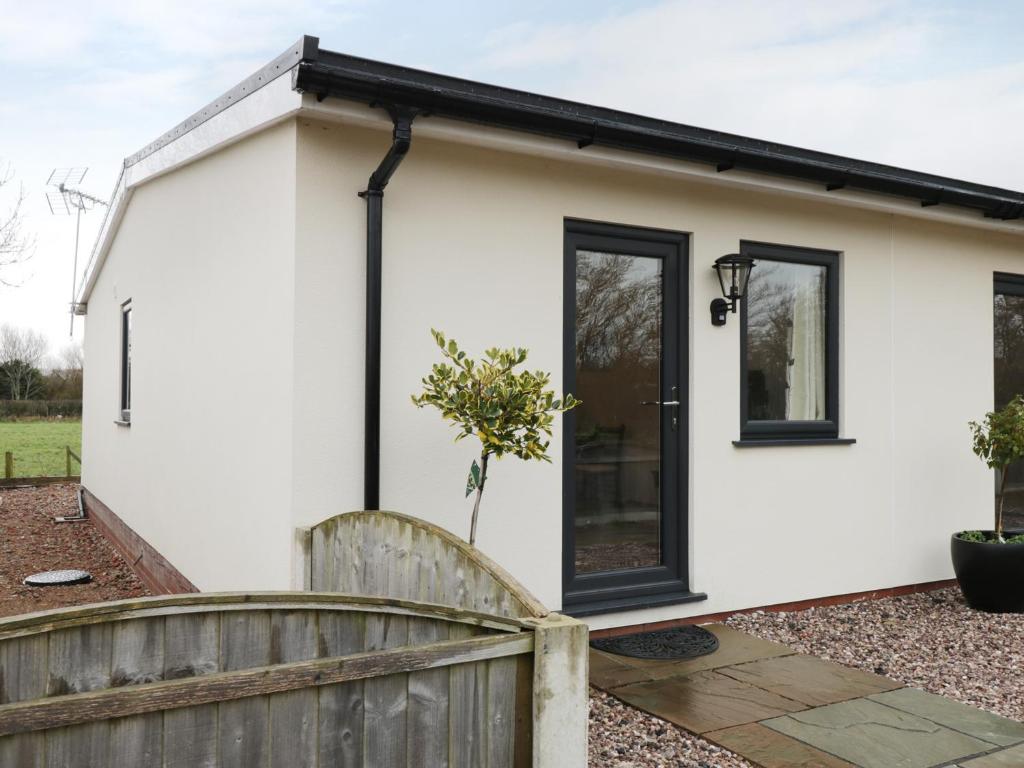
(62, 199)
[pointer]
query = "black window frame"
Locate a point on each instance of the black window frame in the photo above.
(1007, 284)
(125, 400)
(1004, 284)
(775, 430)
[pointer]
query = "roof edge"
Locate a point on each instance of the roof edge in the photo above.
(375, 83)
(306, 48)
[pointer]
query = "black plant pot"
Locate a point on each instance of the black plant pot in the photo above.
(991, 575)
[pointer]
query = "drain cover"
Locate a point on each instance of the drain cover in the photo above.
(57, 578)
(679, 643)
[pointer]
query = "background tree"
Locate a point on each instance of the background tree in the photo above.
(509, 412)
(22, 352)
(63, 380)
(15, 245)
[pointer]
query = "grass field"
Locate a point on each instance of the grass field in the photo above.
(39, 446)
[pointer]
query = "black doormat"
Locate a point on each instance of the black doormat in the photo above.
(687, 642)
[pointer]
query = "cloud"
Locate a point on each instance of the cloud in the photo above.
(193, 29)
(877, 80)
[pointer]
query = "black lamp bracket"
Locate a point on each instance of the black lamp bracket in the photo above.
(720, 309)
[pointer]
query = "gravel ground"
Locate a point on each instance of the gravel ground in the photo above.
(930, 640)
(30, 541)
(624, 737)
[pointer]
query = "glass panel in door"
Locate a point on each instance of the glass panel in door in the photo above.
(1009, 382)
(618, 428)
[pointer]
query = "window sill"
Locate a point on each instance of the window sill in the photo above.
(779, 442)
(121, 423)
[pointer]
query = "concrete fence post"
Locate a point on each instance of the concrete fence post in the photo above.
(560, 692)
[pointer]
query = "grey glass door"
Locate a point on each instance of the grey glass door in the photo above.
(1008, 359)
(625, 522)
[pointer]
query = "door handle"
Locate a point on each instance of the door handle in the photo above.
(673, 404)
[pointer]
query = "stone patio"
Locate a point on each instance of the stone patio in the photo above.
(778, 709)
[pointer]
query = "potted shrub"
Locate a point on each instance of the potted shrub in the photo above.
(509, 412)
(990, 565)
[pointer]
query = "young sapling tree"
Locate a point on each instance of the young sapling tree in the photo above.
(510, 412)
(999, 442)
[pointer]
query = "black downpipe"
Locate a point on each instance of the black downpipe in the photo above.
(374, 196)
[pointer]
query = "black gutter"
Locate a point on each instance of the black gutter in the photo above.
(333, 74)
(374, 196)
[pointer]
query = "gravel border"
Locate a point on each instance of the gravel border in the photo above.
(30, 542)
(624, 737)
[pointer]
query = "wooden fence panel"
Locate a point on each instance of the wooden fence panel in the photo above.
(432, 658)
(393, 555)
(260, 680)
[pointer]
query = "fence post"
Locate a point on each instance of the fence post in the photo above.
(67, 461)
(8, 465)
(560, 712)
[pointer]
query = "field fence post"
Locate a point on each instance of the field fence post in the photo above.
(8, 465)
(67, 461)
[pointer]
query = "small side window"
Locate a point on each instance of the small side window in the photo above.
(790, 344)
(126, 362)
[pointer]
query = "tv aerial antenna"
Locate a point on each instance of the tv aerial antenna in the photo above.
(64, 198)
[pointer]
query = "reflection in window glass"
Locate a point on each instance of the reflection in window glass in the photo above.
(786, 340)
(618, 439)
(126, 362)
(1009, 379)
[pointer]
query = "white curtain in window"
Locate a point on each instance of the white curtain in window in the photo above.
(806, 374)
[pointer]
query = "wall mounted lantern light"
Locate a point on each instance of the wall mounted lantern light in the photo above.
(733, 273)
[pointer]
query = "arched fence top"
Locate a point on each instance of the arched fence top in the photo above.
(376, 552)
(218, 602)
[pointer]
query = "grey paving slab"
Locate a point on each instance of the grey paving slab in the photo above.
(953, 714)
(771, 749)
(872, 735)
(608, 671)
(1004, 758)
(809, 680)
(706, 701)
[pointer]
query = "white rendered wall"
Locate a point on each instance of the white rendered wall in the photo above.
(249, 265)
(204, 472)
(330, 294)
(473, 246)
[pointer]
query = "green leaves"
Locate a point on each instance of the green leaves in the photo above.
(509, 411)
(999, 439)
(473, 481)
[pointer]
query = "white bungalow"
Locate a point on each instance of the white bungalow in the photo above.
(259, 311)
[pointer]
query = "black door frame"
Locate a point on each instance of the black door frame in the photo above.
(667, 583)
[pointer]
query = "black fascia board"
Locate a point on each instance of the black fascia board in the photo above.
(327, 73)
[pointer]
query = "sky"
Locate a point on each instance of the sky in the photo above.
(935, 86)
